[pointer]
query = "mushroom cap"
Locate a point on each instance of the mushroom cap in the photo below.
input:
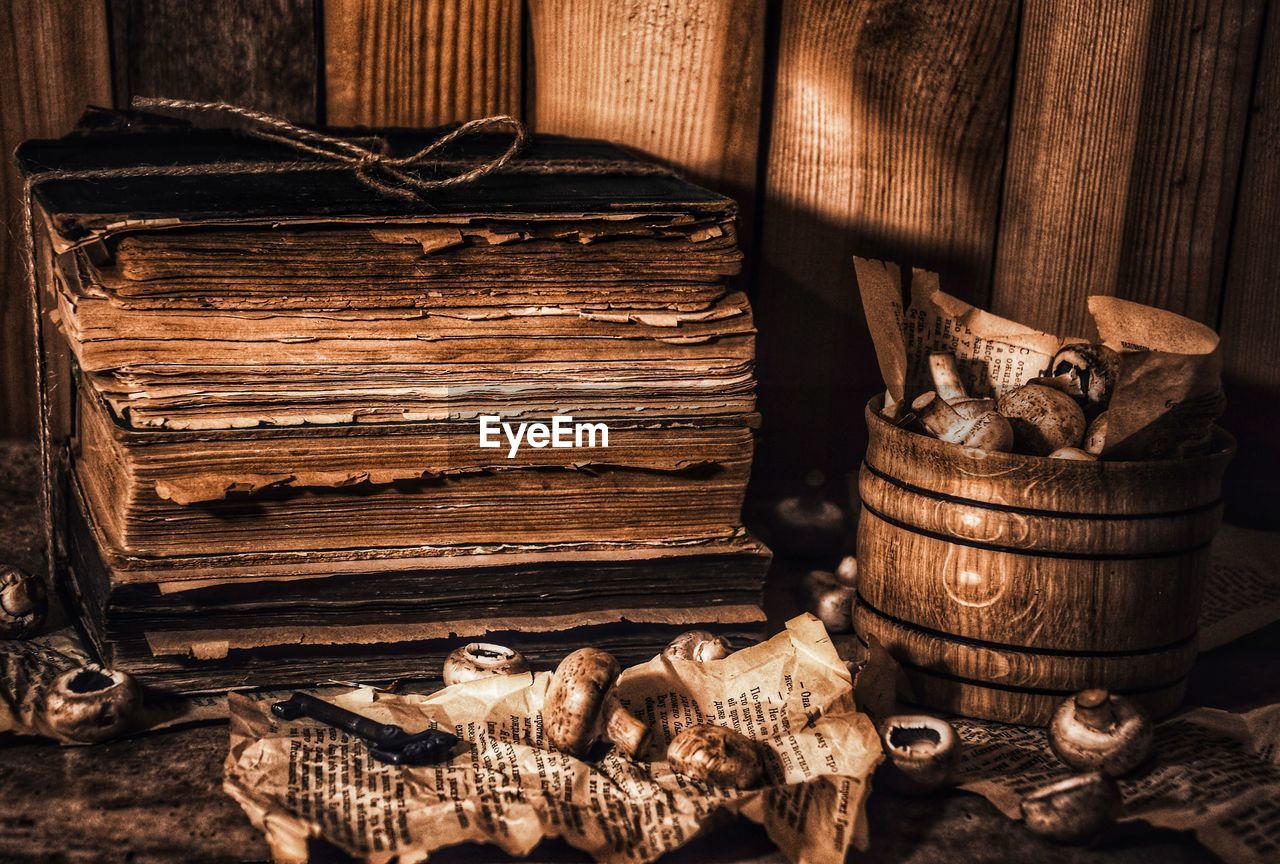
(1044, 419)
(1095, 437)
(1091, 371)
(23, 602)
(716, 755)
(1073, 454)
(91, 704)
(922, 751)
(972, 409)
(1100, 731)
(990, 432)
(698, 645)
(847, 572)
(482, 660)
(834, 607)
(1072, 810)
(573, 704)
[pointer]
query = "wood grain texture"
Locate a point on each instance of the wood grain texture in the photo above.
(1007, 580)
(1250, 326)
(887, 137)
(421, 62)
(679, 80)
(1124, 144)
(257, 53)
(1072, 141)
(56, 62)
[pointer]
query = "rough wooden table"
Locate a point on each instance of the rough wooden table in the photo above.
(158, 797)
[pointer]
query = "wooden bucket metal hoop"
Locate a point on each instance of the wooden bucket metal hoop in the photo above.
(1003, 583)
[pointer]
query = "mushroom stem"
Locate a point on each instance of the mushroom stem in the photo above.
(623, 728)
(1093, 708)
(946, 376)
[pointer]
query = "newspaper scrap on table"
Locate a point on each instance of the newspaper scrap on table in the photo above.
(1242, 593)
(1212, 772)
(1166, 397)
(301, 780)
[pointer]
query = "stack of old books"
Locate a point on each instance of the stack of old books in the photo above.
(321, 432)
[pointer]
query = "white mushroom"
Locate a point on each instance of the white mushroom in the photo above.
(23, 603)
(698, 645)
(808, 525)
(1099, 731)
(1095, 438)
(1073, 454)
(988, 431)
(92, 704)
(482, 660)
(1072, 810)
(581, 707)
(847, 572)
(716, 755)
(922, 751)
(1090, 372)
(949, 386)
(1043, 418)
(834, 607)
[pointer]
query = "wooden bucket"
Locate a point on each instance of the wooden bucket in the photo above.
(1003, 583)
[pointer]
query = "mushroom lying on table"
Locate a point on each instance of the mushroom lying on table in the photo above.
(716, 755)
(92, 704)
(1074, 810)
(23, 603)
(922, 751)
(581, 707)
(698, 645)
(482, 660)
(1099, 731)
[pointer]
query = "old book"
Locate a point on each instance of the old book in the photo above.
(294, 439)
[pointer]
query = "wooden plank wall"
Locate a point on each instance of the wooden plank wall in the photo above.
(1032, 151)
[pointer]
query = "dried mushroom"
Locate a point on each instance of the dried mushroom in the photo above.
(1099, 731)
(1074, 810)
(1044, 419)
(482, 660)
(23, 602)
(92, 704)
(716, 755)
(698, 645)
(581, 707)
(922, 751)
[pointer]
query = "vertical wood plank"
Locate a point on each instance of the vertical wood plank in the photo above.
(257, 53)
(56, 62)
(422, 62)
(1194, 107)
(1250, 325)
(677, 79)
(886, 141)
(1126, 127)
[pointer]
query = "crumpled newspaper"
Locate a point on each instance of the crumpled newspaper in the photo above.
(1213, 772)
(302, 780)
(1166, 397)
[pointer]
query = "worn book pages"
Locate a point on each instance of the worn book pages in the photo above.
(793, 694)
(1213, 772)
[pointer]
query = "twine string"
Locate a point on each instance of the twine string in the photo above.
(389, 175)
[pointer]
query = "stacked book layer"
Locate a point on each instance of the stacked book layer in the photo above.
(323, 432)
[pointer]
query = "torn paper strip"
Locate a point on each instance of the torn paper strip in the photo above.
(302, 780)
